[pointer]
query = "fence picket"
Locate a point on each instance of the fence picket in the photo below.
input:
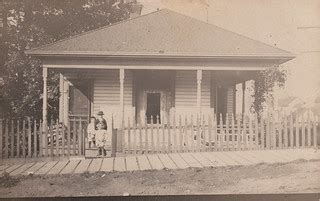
(233, 133)
(63, 140)
(210, 132)
(268, 133)
(169, 135)
(244, 132)
(192, 134)
(6, 141)
(180, 134)
(303, 132)
(35, 139)
(158, 135)
(29, 138)
(297, 132)
(280, 135)
(174, 144)
(227, 132)
(163, 135)
(262, 135)
(1, 138)
(140, 137)
(129, 136)
(12, 139)
(185, 132)
(134, 137)
(74, 136)
(286, 142)
(238, 133)
(23, 138)
(80, 134)
(51, 133)
(40, 139)
(256, 132)
(146, 137)
(18, 139)
(152, 136)
(221, 133)
(291, 130)
(250, 134)
(315, 124)
(203, 138)
(309, 131)
(198, 134)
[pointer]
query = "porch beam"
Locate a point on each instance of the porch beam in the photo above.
(199, 79)
(45, 96)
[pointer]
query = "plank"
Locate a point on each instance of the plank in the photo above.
(187, 157)
(178, 160)
(95, 165)
(119, 164)
(21, 169)
(249, 155)
(237, 158)
(107, 165)
(83, 166)
(242, 157)
(202, 160)
(267, 157)
(70, 167)
(58, 167)
(155, 162)
(3, 167)
(215, 161)
(167, 161)
(143, 162)
(34, 168)
(225, 159)
(46, 168)
(12, 168)
(131, 162)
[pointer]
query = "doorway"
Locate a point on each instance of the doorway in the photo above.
(153, 107)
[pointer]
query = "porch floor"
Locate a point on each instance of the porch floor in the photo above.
(159, 161)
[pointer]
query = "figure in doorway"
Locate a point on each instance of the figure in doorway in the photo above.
(91, 130)
(101, 134)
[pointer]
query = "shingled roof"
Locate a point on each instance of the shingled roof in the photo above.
(164, 32)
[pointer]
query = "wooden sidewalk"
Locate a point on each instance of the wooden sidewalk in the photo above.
(160, 161)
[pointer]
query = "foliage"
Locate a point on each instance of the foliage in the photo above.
(31, 23)
(264, 84)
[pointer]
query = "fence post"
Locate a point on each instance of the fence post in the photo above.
(6, 141)
(80, 135)
(35, 139)
(40, 139)
(158, 133)
(152, 136)
(114, 140)
(24, 138)
(309, 130)
(129, 136)
(262, 136)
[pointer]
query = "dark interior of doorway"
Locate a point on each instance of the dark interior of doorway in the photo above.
(153, 107)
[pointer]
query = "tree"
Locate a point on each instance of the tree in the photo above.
(31, 23)
(264, 84)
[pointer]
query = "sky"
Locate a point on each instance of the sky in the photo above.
(292, 25)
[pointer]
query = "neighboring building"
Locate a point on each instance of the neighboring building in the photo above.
(153, 64)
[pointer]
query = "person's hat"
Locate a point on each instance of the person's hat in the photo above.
(100, 113)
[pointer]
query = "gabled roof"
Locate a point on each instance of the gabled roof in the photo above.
(161, 33)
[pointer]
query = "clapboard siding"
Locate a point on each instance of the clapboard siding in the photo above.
(230, 99)
(205, 89)
(106, 87)
(186, 89)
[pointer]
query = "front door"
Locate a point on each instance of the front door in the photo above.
(153, 107)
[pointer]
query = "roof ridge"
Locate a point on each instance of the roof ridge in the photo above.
(92, 30)
(227, 30)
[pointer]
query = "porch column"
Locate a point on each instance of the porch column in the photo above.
(243, 98)
(61, 98)
(45, 96)
(199, 78)
(121, 96)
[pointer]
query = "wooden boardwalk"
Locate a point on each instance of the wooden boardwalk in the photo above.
(160, 161)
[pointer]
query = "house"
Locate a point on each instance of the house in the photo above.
(153, 64)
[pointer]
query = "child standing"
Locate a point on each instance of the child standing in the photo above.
(91, 130)
(101, 134)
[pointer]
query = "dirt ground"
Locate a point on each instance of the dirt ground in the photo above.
(298, 177)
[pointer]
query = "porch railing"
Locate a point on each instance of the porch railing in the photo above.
(194, 134)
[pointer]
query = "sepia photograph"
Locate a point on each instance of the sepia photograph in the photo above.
(156, 98)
